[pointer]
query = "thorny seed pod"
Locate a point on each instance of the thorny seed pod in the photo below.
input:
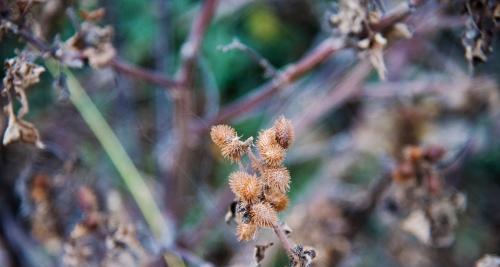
(284, 133)
(266, 139)
(222, 135)
(246, 231)
(245, 186)
(227, 140)
(278, 200)
(273, 155)
(235, 149)
(263, 215)
(277, 178)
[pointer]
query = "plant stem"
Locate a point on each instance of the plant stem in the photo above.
(285, 242)
(116, 152)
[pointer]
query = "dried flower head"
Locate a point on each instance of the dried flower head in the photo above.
(277, 178)
(234, 150)
(273, 155)
(279, 201)
(284, 133)
(246, 231)
(266, 138)
(222, 134)
(226, 138)
(245, 186)
(263, 215)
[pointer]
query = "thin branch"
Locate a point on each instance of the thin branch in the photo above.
(183, 105)
(322, 52)
(345, 90)
(143, 74)
(269, 69)
(285, 242)
(191, 48)
(117, 64)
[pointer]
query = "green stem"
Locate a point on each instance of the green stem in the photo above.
(114, 149)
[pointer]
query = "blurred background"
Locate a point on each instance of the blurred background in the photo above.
(351, 126)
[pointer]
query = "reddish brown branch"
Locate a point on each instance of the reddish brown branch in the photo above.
(117, 64)
(142, 74)
(324, 50)
(183, 105)
(191, 48)
(285, 242)
(292, 73)
(349, 87)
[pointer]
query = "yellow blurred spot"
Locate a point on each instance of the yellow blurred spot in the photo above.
(263, 24)
(173, 260)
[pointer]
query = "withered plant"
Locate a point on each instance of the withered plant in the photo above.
(261, 184)
(98, 233)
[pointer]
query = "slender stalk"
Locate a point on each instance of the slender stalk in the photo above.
(183, 101)
(293, 72)
(255, 161)
(191, 48)
(116, 152)
(285, 242)
(323, 51)
(143, 74)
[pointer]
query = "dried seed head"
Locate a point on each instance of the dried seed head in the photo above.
(234, 150)
(245, 186)
(226, 138)
(277, 179)
(263, 215)
(284, 132)
(278, 200)
(222, 135)
(273, 155)
(246, 231)
(266, 139)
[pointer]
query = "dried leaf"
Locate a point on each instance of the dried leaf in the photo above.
(92, 43)
(20, 74)
(418, 225)
(20, 130)
(260, 252)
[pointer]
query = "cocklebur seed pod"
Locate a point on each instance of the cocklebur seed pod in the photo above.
(284, 132)
(266, 138)
(273, 156)
(270, 151)
(226, 138)
(277, 179)
(222, 135)
(245, 186)
(263, 215)
(278, 200)
(246, 231)
(234, 150)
